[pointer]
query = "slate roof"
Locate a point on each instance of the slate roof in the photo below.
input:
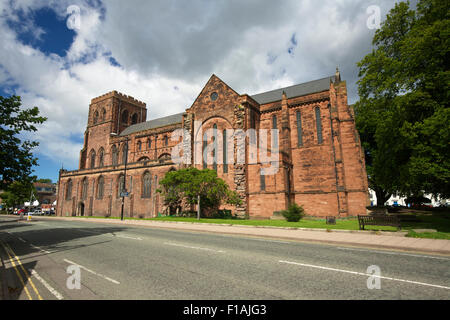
(262, 98)
(294, 91)
(156, 123)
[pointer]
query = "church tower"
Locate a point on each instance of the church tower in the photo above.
(109, 114)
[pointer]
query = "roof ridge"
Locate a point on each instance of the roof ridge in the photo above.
(294, 85)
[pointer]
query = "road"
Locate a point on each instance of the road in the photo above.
(131, 262)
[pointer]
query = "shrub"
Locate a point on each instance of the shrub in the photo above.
(294, 213)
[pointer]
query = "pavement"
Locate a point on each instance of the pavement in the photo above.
(371, 239)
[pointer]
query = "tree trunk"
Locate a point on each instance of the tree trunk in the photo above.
(382, 196)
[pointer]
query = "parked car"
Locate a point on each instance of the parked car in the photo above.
(36, 212)
(21, 211)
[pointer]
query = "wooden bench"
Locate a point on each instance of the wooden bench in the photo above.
(378, 220)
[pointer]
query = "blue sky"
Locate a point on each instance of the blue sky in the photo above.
(163, 52)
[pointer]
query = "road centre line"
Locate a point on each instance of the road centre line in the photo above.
(363, 274)
(395, 253)
(191, 247)
(93, 272)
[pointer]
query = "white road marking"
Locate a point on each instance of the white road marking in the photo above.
(396, 253)
(363, 274)
(93, 272)
(190, 247)
(127, 237)
(39, 248)
(45, 283)
(111, 234)
(21, 239)
(276, 241)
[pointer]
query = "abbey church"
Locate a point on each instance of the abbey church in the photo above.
(320, 160)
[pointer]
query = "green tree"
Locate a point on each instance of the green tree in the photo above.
(18, 193)
(403, 114)
(187, 184)
(44, 180)
(16, 156)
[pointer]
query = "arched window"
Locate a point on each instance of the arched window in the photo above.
(124, 153)
(95, 117)
(92, 164)
(215, 147)
(120, 185)
(84, 189)
(149, 144)
(146, 185)
(143, 159)
(134, 118)
(139, 146)
(125, 117)
(225, 151)
(299, 130)
(103, 114)
(101, 156)
(69, 189)
(275, 136)
(115, 155)
(100, 187)
(166, 141)
(318, 126)
(262, 179)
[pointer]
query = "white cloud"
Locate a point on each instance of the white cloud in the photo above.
(164, 44)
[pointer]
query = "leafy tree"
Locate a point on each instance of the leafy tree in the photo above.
(403, 114)
(16, 157)
(17, 193)
(190, 183)
(44, 180)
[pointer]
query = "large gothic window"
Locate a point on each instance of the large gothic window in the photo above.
(134, 119)
(215, 147)
(84, 189)
(101, 156)
(147, 185)
(125, 117)
(95, 117)
(69, 190)
(124, 153)
(275, 136)
(100, 187)
(115, 155)
(225, 151)
(299, 130)
(120, 185)
(92, 164)
(262, 180)
(319, 126)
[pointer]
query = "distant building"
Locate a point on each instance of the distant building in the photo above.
(45, 194)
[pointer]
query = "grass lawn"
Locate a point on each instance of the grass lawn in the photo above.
(439, 221)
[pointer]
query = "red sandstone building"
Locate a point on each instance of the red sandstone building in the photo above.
(320, 159)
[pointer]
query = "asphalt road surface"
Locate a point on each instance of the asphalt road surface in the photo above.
(49, 259)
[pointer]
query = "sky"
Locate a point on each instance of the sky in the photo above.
(59, 54)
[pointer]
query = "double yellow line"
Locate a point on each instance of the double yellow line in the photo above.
(11, 254)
